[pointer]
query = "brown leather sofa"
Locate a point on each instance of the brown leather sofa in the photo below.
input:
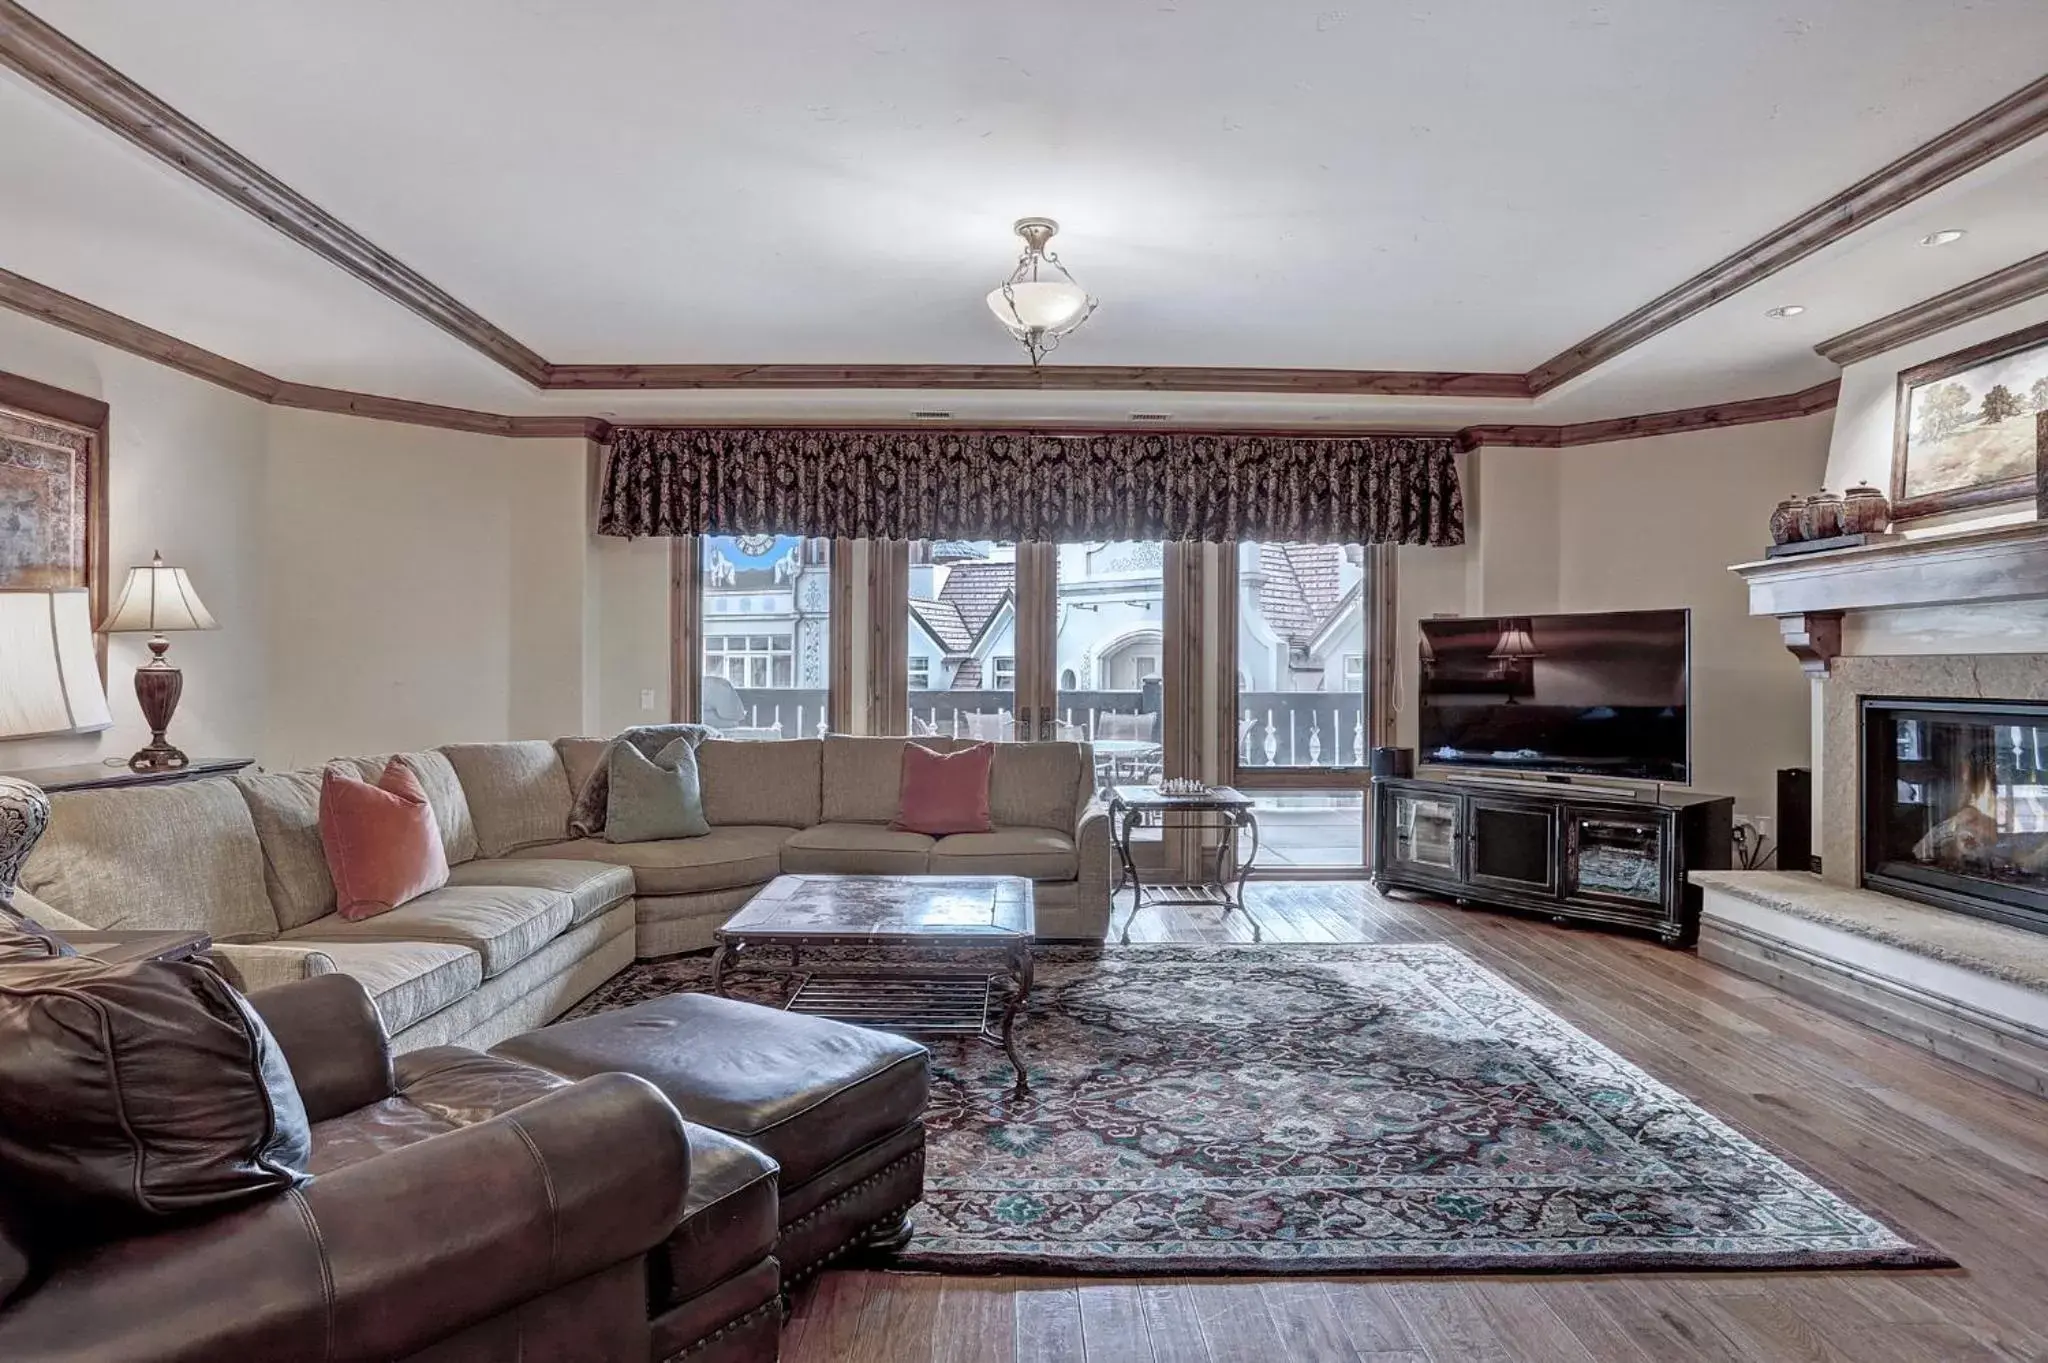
(438, 1226)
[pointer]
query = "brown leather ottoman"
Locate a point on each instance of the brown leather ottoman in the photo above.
(840, 1108)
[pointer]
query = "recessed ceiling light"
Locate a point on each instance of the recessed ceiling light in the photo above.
(1788, 310)
(1943, 237)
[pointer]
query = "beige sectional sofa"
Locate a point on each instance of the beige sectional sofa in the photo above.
(531, 919)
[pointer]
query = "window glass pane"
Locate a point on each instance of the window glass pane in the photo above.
(1301, 656)
(1111, 638)
(771, 682)
(963, 619)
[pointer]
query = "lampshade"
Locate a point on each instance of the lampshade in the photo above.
(49, 679)
(1038, 304)
(1515, 643)
(157, 599)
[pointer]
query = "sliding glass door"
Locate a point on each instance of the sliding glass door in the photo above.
(1304, 667)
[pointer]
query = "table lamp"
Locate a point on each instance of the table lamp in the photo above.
(156, 599)
(49, 678)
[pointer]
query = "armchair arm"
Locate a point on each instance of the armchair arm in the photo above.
(333, 1040)
(387, 1256)
(1097, 866)
(266, 965)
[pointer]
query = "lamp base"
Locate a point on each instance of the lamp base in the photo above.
(157, 688)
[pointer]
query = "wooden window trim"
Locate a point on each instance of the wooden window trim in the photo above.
(686, 634)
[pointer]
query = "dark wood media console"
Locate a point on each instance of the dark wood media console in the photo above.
(1572, 852)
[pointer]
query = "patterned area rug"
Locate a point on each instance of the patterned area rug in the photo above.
(1330, 1109)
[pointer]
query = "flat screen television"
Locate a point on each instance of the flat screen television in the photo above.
(1597, 694)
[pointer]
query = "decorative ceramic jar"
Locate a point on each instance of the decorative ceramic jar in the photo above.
(1785, 526)
(1822, 517)
(1865, 511)
(24, 814)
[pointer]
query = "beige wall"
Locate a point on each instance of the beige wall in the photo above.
(426, 586)
(1636, 525)
(632, 578)
(185, 475)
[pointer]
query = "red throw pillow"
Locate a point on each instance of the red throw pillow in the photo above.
(383, 846)
(945, 793)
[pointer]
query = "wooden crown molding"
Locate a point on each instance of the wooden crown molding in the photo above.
(1056, 378)
(93, 322)
(35, 398)
(63, 68)
(2018, 118)
(1819, 398)
(1980, 297)
(26, 296)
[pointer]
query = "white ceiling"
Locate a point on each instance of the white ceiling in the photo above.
(1468, 186)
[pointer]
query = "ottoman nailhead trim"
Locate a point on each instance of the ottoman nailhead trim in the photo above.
(826, 1260)
(736, 1323)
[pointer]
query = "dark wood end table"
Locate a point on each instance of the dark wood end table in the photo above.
(985, 921)
(121, 948)
(1135, 807)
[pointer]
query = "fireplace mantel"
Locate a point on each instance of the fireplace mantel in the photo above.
(1810, 594)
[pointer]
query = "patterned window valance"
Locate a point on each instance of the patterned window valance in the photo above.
(1029, 485)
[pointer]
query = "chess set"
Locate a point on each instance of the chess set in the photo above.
(1182, 785)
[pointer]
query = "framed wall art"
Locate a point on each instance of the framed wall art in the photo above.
(1964, 431)
(53, 489)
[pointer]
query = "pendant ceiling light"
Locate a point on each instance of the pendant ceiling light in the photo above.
(1040, 302)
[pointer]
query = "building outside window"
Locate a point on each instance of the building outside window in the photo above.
(765, 675)
(1005, 677)
(920, 674)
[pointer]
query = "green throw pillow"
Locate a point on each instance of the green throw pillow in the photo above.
(662, 798)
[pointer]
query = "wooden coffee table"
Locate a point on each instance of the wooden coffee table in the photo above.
(947, 946)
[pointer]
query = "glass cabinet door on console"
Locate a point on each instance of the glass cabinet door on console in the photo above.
(1513, 844)
(1424, 832)
(1614, 857)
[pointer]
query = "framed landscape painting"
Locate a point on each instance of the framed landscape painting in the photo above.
(53, 489)
(1964, 433)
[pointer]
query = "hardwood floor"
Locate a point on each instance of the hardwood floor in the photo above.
(1955, 1160)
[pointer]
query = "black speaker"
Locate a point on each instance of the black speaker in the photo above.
(1795, 819)
(1393, 762)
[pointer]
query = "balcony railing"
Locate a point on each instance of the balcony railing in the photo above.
(1324, 729)
(1301, 729)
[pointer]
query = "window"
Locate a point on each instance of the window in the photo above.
(765, 604)
(920, 674)
(751, 660)
(1005, 674)
(1354, 672)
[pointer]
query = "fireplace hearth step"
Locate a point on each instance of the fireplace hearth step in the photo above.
(1969, 989)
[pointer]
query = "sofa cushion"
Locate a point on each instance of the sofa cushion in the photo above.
(504, 924)
(383, 846)
(133, 1093)
(407, 981)
(1037, 785)
(729, 1217)
(1038, 853)
(723, 859)
(856, 849)
(652, 799)
(592, 886)
(761, 783)
(581, 757)
(861, 780)
(444, 793)
(518, 793)
(943, 793)
(172, 856)
(285, 806)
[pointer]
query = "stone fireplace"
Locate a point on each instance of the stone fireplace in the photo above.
(1928, 783)
(1929, 917)
(1955, 805)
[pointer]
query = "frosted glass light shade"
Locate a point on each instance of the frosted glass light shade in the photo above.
(157, 599)
(1040, 304)
(49, 678)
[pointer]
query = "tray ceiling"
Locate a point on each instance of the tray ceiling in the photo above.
(1454, 186)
